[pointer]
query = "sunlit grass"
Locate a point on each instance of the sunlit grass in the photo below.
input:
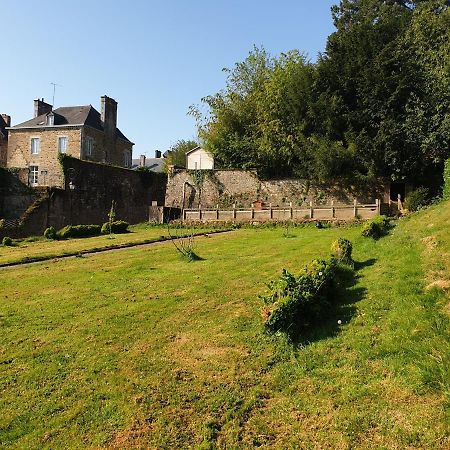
(38, 248)
(138, 348)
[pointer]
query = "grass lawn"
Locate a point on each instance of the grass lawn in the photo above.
(139, 349)
(41, 248)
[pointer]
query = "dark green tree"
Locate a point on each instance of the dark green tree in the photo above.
(177, 153)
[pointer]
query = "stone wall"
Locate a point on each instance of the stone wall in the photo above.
(3, 150)
(19, 152)
(228, 187)
(95, 187)
(15, 195)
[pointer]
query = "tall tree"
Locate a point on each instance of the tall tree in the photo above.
(371, 79)
(177, 153)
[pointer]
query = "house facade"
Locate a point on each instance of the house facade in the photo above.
(5, 122)
(78, 131)
(199, 159)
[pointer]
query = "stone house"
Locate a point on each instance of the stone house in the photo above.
(199, 159)
(5, 122)
(78, 131)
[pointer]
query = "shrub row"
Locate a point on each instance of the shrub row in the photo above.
(294, 302)
(7, 241)
(417, 199)
(78, 231)
(118, 227)
(377, 227)
(81, 231)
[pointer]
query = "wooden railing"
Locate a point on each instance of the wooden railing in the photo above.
(317, 212)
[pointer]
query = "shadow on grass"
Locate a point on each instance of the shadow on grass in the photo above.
(340, 311)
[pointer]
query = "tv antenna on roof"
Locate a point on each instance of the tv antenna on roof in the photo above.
(54, 90)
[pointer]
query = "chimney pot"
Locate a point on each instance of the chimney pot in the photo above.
(40, 107)
(142, 161)
(109, 116)
(157, 154)
(6, 119)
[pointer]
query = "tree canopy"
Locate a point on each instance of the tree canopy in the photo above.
(176, 155)
(376, 103)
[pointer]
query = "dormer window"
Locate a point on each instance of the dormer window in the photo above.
(50, 119)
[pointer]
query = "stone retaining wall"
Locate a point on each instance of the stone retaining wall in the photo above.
(226, 188)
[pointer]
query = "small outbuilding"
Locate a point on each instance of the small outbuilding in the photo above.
(199, 159)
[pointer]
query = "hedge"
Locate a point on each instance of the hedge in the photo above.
(79, 231)
(294, 302)
(117, 227)
(377, 227)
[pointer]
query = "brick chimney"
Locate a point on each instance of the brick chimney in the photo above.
(40, 107)
(142, 161)
(109, 115)
(157, 154)
(6, 119)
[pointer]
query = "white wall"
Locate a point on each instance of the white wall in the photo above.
(200, 159)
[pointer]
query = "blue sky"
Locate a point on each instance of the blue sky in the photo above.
(156, 58)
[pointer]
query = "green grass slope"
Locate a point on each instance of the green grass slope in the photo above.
(138, 349)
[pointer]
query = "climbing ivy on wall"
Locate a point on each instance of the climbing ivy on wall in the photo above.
(63, 160)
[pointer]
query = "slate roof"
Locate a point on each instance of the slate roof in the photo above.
(193, 150)
(154, 164)
(71, 115)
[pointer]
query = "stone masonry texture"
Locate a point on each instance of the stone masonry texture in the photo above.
(227, 187)
(96, 186)
(19, 150)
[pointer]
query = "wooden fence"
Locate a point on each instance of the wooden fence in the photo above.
(318, 212)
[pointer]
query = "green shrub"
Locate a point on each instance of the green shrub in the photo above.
(377, 227)
(117, 227)
(2, 223)
(7, 241)
(50, 233)
(446, 192)
(417, 199)
(295, 302)
(342, 251)
(78, 231)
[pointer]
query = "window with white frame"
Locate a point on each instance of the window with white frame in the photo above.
(62, 144)
(50, 119)
(88, 146)
(34, 175)
(35, 146)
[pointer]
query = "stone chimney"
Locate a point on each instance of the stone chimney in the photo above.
(157, 154)
(109, 115)
(6, 119)
(142, 161)
(40, 107)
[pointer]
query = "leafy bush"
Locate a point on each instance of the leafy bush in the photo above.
(446, 192)
(79, 231)
(377, 227)
(417, 199)
(7, 241)
(50, 233)
(117, 227)
(342, 251)
(2, 223)
(294, 302)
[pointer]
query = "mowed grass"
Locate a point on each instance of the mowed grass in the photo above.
(138, 349)
(42, 248)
